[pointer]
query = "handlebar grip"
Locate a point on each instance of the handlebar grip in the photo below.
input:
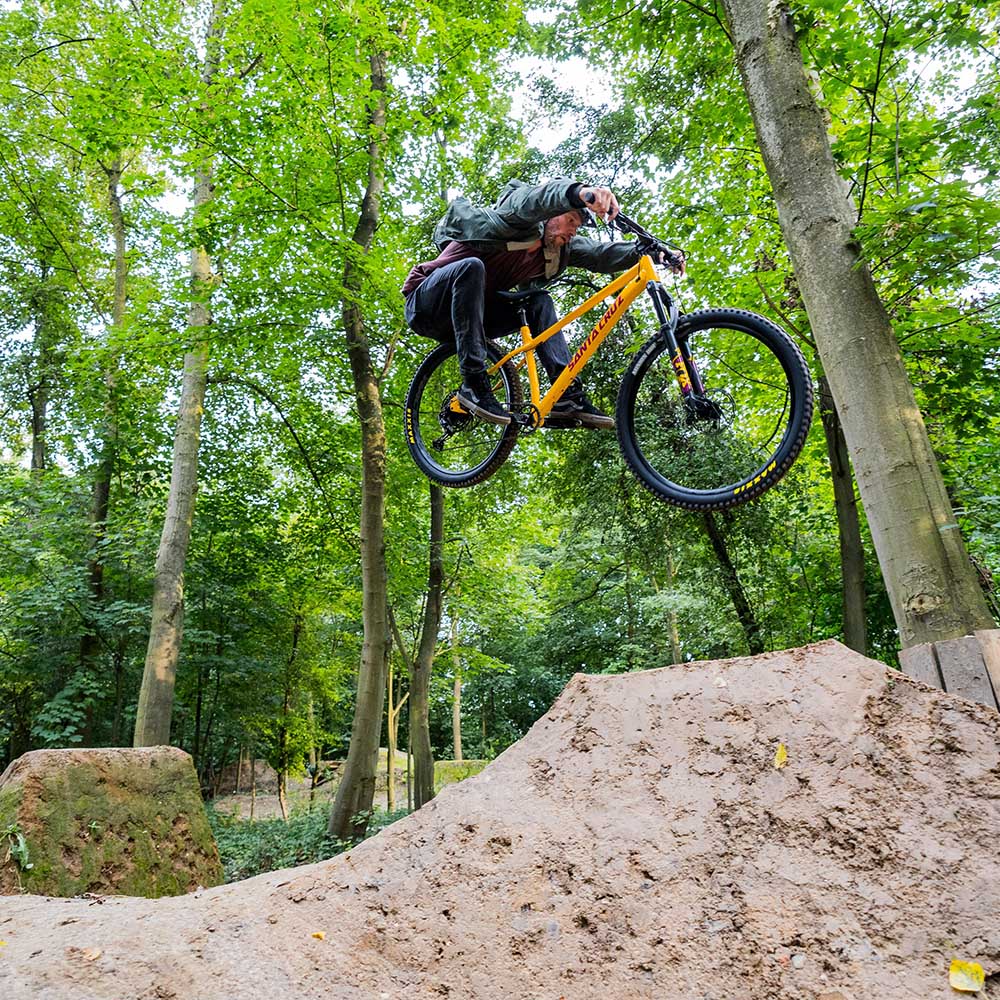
(590, 197)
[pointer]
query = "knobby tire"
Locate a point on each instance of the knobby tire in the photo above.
(761, 389)
(449, 448)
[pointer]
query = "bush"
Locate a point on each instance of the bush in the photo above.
(252, 847)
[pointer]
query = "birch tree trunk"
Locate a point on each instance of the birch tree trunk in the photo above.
(931, 583)
(353, 804)
(156, 695)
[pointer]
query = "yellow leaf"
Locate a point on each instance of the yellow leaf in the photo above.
(92, 954)
(3, 944)
(319, 935)
(966, 976)
(781, 756)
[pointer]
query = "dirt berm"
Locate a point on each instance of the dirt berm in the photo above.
(640, 841)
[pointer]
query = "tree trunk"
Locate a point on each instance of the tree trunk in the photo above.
(156, 695)
(930, 580)
(353, 804)
(283, 793)
(675, 636)
(420, 678)
(198, 701)
(253, 782)
(282, 751)
(409, 761)
(852, 553)
(390, 757)
(456, 695)
(90, 641)
(38, 391)
(456, 699)
(731, 581)
(118, 662)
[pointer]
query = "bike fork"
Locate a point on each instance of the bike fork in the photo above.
(683, 362)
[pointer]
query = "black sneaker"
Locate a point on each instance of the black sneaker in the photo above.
(575, 405)
(476, 395)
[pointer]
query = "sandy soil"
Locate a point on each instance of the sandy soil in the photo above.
(639, 842)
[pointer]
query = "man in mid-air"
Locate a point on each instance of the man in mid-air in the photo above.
(528, 238)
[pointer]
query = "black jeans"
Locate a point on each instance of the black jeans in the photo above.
(451, 305)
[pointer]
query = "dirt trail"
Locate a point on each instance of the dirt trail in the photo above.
(639, 842)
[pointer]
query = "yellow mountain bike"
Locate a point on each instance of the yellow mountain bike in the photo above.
(711, 412)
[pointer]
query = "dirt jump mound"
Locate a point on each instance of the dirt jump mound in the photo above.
(802, 824)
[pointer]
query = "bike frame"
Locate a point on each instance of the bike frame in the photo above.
(626, 288)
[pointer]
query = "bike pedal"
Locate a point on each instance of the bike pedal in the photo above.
(561, 423)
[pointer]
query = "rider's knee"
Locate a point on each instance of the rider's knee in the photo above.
(470, 269)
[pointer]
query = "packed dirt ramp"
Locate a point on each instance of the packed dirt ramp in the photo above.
(641, 841)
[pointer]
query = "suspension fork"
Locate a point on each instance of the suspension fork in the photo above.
(685, 368)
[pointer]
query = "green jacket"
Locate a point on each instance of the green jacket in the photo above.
(517, 220)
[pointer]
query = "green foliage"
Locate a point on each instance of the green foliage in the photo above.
(249, 848)
(560, 563)
(17, 847)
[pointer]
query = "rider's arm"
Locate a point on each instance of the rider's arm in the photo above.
(522, 204)
(605, 258)
(618, 255)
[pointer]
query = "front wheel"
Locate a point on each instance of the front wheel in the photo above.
(448, 443)
(735, 441)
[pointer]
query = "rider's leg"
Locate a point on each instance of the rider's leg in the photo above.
(450, 302)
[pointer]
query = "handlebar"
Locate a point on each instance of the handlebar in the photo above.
(672, 256)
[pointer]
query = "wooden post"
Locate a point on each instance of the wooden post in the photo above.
(968, 667)
(989, 643)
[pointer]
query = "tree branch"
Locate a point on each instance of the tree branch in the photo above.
(56, 45)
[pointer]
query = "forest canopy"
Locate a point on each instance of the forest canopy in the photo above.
(116, 116)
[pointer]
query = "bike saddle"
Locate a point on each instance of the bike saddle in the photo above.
(521, 297)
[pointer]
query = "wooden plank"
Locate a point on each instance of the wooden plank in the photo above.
(919, 663)
(964, 670)
(989, 645)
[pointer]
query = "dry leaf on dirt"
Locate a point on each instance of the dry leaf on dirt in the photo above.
(319, 935)
(781, 756)
(966, 976)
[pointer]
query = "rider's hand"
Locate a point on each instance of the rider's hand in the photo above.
(674, 259)
(600, 200)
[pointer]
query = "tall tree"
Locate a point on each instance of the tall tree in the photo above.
(931, 582)
(353, 804)
(420, 678)
(156, 696)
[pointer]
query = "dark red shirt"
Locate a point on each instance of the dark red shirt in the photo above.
(504, 270)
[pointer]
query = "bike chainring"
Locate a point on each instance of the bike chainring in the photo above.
(527, 416)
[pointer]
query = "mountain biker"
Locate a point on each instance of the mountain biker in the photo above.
(528, 237)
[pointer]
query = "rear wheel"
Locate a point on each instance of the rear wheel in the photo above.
(448, 443)
(739, 439)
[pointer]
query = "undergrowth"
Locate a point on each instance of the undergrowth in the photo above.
(251, 847)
